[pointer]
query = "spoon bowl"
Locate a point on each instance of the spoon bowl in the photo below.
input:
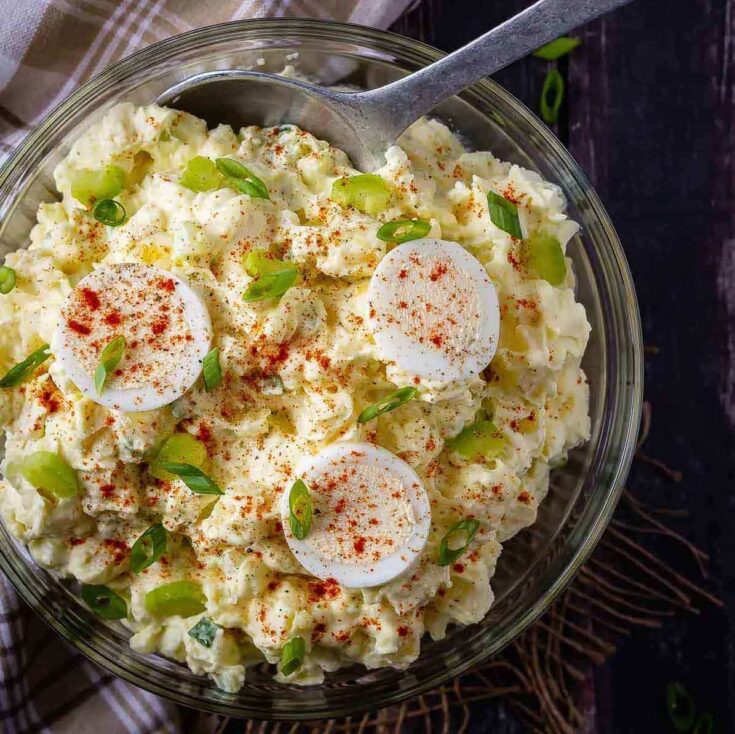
(366, 124)
(239, 97)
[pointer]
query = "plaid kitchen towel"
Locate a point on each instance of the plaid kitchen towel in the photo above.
(47, 48)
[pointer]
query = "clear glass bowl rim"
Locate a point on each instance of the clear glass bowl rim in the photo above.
(23, 157)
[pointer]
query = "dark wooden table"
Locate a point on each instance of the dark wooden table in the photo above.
(650, 118)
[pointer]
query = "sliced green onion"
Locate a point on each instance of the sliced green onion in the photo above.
(270, 285)
(504, 214)
(90, 185)
(200, 174)
(7, 279)
(204, 631)
(193, 477)
(466, 528)
(552, 94)
(19, 372)
(148, 548)
(181, 448)
(545, 258)
(478, 442)
(292, 655)
(109, 212)
(242, 178)
(181, 598)
(705, 724)
(404, 230)
(300, 509)
(253, 187)
(388, 403)
(274, 277)
(680, 706)
(109, 359)
(104, 602)
(46, 470)
(211, 370)
(557, 48)
(367, 192)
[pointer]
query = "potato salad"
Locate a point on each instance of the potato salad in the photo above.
(264, 407)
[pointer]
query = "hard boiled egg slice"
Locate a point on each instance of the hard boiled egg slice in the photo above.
(370, 515)
(434, 311)
(166, 328)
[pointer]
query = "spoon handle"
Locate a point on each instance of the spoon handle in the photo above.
(407, 99)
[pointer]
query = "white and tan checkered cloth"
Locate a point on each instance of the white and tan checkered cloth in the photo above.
(48, 48)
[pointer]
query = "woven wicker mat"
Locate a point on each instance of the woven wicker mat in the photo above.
(540, 676)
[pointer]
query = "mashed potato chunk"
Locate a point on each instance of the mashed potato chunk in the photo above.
(297, 369)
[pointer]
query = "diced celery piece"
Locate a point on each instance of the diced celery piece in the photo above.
(90, 184)
(478, 442)
(181, 448)
(182, 598)
(48, 471)
(367, 192)
(201, 174)
(545, 258)
(7, 279)
(257, 262)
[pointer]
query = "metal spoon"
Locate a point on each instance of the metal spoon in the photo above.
(366, 124)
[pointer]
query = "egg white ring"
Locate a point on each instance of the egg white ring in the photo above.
(418, 358)
(365, 574)
(147, 397)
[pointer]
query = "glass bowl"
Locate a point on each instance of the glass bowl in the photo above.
(541, 560)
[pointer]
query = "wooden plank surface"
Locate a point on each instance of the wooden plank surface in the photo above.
(650, 118)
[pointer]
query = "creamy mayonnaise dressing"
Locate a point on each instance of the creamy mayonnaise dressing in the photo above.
(297, 372)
